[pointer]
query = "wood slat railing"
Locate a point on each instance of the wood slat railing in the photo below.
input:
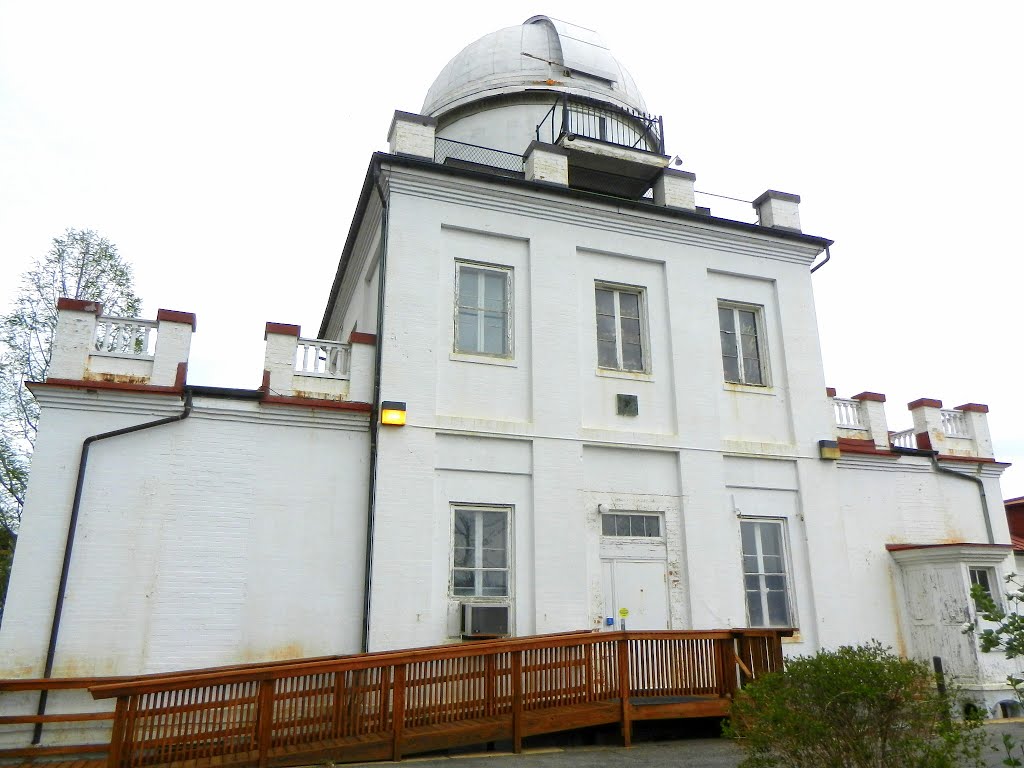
(386, 705)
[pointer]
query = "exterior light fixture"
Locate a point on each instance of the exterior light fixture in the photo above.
(829, 449)
(392, 412)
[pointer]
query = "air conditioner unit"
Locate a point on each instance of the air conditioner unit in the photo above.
(484, 620)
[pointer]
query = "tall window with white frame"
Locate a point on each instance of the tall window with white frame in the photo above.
(483, 314)
(765, 573)
(742, 344)
(620, 328)
(480, 552)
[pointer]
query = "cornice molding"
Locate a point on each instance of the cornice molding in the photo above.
(980, 554)
(539, 205)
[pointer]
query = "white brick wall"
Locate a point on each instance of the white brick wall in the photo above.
(235, 535)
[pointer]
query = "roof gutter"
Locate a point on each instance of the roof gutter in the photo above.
(816, 267)
(58, 606)
(986, 513)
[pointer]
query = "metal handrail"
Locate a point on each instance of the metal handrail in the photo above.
(600, 121)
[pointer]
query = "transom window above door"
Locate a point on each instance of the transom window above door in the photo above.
(621, 343)
(483, 313)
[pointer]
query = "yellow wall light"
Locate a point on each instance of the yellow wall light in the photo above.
(829, 450)
(392, 412)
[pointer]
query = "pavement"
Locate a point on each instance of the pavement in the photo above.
(689, 751)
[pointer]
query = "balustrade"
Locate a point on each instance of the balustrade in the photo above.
(326, 359)
(847, 413)
(125, 337)
(904, 439)
(954, 423)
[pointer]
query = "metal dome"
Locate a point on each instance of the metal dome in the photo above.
(540, 54)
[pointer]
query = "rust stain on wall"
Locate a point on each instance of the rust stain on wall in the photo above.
(116, 378)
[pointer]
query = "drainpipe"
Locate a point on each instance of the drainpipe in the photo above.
(371, 500)
(981, 491)
(828, 255)
(58, 606)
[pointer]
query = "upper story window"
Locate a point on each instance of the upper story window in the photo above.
(483, 313)
(620, 328)
(742, 334)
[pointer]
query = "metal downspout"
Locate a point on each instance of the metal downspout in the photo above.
(58, 606)
(375, 413)
(981, 491)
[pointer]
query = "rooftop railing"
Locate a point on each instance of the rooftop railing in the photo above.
(847, 413)
(458, 152)
(325, 359)
(579, 116)
(125, 337)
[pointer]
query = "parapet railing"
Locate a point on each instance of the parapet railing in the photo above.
(847, 413)
(954, 423)
(125, 337)
(904, 439)
(448, 150)
(322, 358)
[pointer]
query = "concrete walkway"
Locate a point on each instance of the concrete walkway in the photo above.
(680, 753)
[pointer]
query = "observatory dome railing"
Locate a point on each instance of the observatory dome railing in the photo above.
(593, 119)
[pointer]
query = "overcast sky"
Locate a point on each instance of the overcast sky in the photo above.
(221, 146)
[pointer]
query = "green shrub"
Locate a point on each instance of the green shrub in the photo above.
(852, 708)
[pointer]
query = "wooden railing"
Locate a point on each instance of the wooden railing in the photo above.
(31, 724)
(385, 705)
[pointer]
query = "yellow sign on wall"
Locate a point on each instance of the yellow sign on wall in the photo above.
(623, 612)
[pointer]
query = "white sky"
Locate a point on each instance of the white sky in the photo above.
(221, 145)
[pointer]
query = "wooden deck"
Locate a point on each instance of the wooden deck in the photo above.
(383, 706)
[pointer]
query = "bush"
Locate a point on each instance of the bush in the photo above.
(852, 708)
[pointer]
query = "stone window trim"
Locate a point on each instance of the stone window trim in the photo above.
(744, 344)
(767, 572)
(483, 323)
(623, 341)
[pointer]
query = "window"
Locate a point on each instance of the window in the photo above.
(620, 343)
(483, 310)
(480, 552)
(766, 581)
(628, 524)
(984, 578)
(742, 344)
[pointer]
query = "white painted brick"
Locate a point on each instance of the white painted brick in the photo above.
(674, 189)
(412, 135)
(546, 162)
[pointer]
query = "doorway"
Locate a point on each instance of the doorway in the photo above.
(640, 589)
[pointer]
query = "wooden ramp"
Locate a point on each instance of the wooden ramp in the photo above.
(383, 706)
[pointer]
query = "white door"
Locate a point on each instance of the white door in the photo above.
(640, 587)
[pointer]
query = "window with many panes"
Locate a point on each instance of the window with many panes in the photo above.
(630, 524)
(765, 573)
(483, 313)
(620, 336)
(480, 551)
(742, 344)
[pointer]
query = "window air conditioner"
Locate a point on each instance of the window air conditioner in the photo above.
(484, 620)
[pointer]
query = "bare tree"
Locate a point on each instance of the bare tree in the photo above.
(80, 265)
